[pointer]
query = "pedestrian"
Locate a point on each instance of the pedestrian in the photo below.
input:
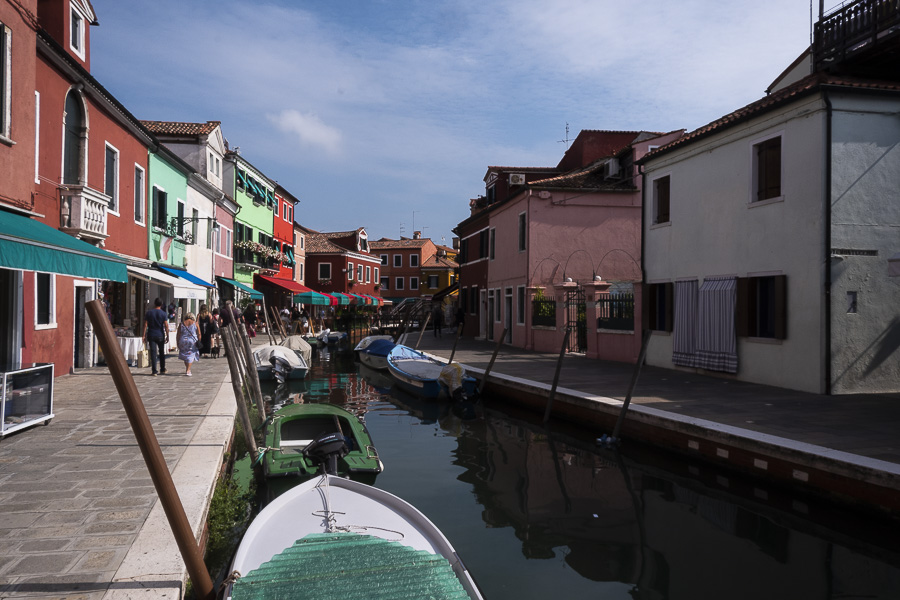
(156, 334)
(304, 320)
(204, 320)
(188, 340)
(250, 319)
(214, 325)
(460, 317)
(438, 320)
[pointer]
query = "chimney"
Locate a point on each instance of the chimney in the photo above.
(456, 243)
(417, 235)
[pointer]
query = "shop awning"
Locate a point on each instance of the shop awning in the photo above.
(286, 284)
(181, 288)
(378, 301)
(186, 275)
(342, 298)
(29, 245)
(242, 288)
(362, 298)
(315, 298)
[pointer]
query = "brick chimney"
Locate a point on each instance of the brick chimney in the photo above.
(417, 235)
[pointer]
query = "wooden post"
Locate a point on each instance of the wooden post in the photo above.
(424, 327)
(268, 328)
(459, 329)
(149, 445)
(490, 366)
(243, 413)
(252, 373)
(562, 352)
(634, 377)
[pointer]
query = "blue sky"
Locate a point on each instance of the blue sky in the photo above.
(386, 114)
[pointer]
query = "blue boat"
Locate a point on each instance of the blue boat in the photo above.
(375, 353)
(423, 375)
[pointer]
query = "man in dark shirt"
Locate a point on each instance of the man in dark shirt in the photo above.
(156, 334)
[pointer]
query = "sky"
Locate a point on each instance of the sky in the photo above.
(386, 114)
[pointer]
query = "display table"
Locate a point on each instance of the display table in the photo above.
(26, 397)
(131, 347)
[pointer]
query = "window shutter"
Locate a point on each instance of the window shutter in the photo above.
(648, 307)
(780, 307)
(741, 309)
(669, 291)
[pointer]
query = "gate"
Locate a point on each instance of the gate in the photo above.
(576, 320)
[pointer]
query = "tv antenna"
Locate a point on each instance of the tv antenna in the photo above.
(567, 140)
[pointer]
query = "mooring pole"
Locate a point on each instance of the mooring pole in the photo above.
(149, 445)
(562, 353)
(231, 350)
(252, 373)
(490, 366)
(459, 329)
(634, 377)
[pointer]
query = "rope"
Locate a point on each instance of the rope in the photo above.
(331, 525)
(230, 580)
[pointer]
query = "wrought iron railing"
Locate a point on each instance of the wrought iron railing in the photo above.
(853, 26)
(616, 312)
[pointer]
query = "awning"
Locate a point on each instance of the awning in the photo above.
(362, 298)
(186, 275)
(342, 298)
(315, 298)
(240, 287)
(286, 284)
(29, 245)
(378, 301)
(181, 287)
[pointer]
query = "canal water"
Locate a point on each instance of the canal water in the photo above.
(542, 512)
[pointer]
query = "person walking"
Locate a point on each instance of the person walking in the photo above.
(204, 320)
(156, 335)
(250, 319)
(438, 320)
(188, 340)
(460, 317)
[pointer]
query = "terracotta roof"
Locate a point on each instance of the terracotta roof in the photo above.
(178, 128)
(439, 262)
(591, 177)
(385, 244)
(318, 242)
(808, 85)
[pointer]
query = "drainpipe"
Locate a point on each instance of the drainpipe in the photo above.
(643, 242)
(827, 195)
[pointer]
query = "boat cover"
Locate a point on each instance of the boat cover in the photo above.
(348, 566)
(263, 355)
(298, 345)
(380, 347)
(452, 376)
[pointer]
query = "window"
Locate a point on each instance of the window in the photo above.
(375, 276)
(767, 169)
(384, 282)
(473, 300)
(384, 258)
(359, 273)
(520, 305)
(463, 250)
(210, 228)
(5, 81)
(138, 194)
(76, 38)
(4, 118)
(522, 232)
(195, 222)
(300, 265)
(368, 274)
(432, 281)
(324, 271)
(483, 243)
(398, 260)
(227, 249)
(661, 200)
(852, 306)
(497, 305)
(111, 178)
(658, 306)
(761, 309)
(212, 164)
(179, 226)
(44, 300)
(493, 242)
(413, 260)
(75, 139)
(398, 283)
(302, 242)
(350, 271)
(413, 283)
(159, 208)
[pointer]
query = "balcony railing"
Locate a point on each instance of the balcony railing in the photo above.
(856, 26)
(82, 212)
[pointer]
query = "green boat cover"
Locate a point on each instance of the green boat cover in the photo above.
(349, 566)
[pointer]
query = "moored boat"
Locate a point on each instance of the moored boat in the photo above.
(375, 354)
(329, 536)
(296, 435)
(423, 375)
(279, 362)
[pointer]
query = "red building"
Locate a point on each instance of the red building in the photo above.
(341, 262)
(283, 231)
(401, 265)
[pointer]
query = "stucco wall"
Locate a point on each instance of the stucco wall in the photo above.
(865, 221)
(174, 183)
(715, 229)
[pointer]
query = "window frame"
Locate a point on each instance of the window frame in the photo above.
(414, 284)
(413, 260)
(157, 206)
(140, 196)
(492, 243)
(749, 311)
(350, 271)
(51, 290)
(398, 261)
(520, 304)
(758, 145)
(114, 196)
(6, 86)
(77, 32)
(384, 282)
(398, 283)
(323, 267)
(368, 274)
(522, 223)
(179, 214)
(384, 259)
(656, 187)
(659, 292)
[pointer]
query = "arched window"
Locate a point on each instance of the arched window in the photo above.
(75, 131)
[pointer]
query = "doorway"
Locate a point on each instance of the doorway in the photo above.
(10, 319)
(84, 333)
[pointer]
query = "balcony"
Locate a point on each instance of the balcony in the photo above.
(861, 38)
(82, 213)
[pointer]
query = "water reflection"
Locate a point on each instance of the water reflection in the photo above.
(536, 512)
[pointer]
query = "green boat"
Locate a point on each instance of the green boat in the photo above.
(302, 440)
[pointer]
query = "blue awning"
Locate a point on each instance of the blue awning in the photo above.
(185, 275)
(237, 285)
(29, 245)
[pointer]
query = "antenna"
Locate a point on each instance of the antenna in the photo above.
(402, 229)
(567, 140)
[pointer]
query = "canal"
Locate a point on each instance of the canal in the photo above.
(542, 512)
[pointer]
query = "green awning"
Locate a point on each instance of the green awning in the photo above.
(29, 245)
(237, 285)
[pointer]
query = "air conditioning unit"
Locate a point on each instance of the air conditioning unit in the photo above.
(612, 168)
(516, 179)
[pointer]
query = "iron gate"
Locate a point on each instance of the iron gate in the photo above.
(576, 320)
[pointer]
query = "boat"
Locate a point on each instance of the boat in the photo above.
(279, 363)
(423, 375)
(367, 341)
(375, 354)
(331, 338)
(299, 345)
(295, 432)
(331, 537)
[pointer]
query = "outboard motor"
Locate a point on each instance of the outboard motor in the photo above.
(325, 450)
(281, 368)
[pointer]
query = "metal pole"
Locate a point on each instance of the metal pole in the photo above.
(149, 445)
(490, 366)
(634, 377)
(562, 352)
(252, 373)
(244, 414)
(459, 329)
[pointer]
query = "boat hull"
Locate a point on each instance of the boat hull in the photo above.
(418, 373)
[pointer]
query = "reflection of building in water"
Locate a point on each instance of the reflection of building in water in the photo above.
(670, 536)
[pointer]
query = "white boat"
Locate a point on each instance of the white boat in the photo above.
(330, 535)
(279, 362)
(372, 351)
(331, 338)
(300, 346)
(367, 341)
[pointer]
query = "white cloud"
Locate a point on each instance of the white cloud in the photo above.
(309, 129)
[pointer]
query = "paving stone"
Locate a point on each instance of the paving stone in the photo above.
(118, 527)
(54, 562)
(101, 560)
(101, 541)
(43, 545)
